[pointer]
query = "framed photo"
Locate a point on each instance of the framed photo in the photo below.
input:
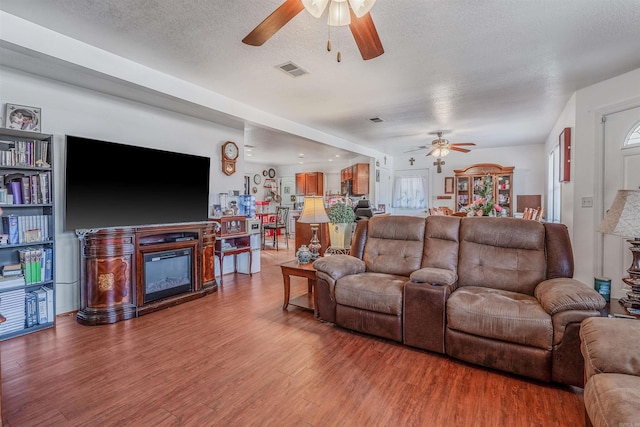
(287, 190)
(23, 118)
(382, 208)
(448, 185)
(564, 141)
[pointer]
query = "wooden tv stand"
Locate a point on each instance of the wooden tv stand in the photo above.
(112, 268)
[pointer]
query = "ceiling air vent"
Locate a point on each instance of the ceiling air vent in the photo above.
(376, 120)
(292, 69)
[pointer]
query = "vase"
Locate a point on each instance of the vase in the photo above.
(303, 255)
(340, 235)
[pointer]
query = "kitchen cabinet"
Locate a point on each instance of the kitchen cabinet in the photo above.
(355, 179)
(310, 184)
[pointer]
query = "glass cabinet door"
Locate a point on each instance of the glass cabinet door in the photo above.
(503, 194)
(462, 190)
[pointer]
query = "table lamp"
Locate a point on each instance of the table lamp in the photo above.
(623, 219)
(314, 213)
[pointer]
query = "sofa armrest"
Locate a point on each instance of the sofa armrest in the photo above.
(564, 294)
(434, 276)
(337, 266)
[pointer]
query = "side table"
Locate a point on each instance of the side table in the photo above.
(309, 300)
(615, 309)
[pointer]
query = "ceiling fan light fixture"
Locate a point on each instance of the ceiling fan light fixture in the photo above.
(440, 152)
(315, 7)
(339, 15)
(361, 7)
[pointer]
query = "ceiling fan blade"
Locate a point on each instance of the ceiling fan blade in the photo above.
(463, 143)
(422, 147)
(267, 28)
(462, 150)
(366, 36)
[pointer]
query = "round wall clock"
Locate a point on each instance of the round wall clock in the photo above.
(257, 179)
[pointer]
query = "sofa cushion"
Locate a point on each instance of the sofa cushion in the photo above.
(502, 315)
(377, 292)
(394, 244)
(606, 345)
(441, 237)
(502, 253)
(612, 399)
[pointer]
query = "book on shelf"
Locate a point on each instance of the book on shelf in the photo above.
(12, 282)
(41, 295)
(31, 309)
(15, 188)
(10, 227)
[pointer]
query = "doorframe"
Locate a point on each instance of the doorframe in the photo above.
(598, 201)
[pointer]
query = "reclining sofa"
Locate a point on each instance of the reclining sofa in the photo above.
(496, 292)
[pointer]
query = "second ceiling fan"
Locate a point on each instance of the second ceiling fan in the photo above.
(354, 13)
(440, 147)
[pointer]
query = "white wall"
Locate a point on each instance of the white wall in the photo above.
(587, 147)
(528, 176)
(72, 110)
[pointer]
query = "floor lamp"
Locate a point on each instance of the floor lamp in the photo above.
(314, 213)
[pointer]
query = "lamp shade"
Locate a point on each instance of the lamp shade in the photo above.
(623, 217)
(313, 211)
(315, 7)
(339, 13)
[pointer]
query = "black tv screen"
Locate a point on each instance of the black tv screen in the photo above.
(117, 185)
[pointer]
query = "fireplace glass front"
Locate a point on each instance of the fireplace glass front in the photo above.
(167, 273)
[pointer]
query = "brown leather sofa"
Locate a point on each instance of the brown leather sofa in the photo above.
(496, 292)
(611, 352)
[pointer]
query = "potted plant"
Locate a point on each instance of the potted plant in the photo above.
(341, 220)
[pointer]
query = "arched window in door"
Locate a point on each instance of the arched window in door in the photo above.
(634, 136)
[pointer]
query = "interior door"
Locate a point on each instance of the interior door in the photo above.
(621, 166)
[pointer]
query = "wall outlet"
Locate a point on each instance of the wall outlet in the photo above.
(587, 202)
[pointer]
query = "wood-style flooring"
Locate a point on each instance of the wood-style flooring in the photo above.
(235, 358)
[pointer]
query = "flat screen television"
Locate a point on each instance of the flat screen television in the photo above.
(111, 184)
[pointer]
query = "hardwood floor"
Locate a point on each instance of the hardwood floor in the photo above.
(235, 358)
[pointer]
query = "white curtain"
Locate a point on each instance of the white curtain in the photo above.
(410, 192)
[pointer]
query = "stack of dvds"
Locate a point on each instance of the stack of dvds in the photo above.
(632, 301)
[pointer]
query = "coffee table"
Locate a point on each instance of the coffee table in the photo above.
(308, 300)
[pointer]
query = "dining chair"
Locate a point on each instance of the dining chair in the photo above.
(280, 226)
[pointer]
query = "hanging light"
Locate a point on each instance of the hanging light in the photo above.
(440, 152)
(339, 14)
(359, 7)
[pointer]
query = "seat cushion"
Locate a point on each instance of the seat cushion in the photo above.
(376, 292)
(502, 315)
(612, 399)
(606, 347)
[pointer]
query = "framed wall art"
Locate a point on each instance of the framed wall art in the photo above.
(448, 185)
(23, 118)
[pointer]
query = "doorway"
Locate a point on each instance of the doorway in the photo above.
(621, 166)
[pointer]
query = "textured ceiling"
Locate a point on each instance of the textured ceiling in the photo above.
(494, 72)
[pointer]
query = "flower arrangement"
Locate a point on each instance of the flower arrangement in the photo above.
(483, 205)
(341, 213)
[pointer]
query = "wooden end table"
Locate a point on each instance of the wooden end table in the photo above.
(309, 300)
(615, 309)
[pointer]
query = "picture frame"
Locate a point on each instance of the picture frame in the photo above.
(448, 185)
(564, 142)
(22, 117)
(382, 208)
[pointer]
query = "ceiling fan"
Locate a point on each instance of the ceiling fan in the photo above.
(440, 147)
(354, 13)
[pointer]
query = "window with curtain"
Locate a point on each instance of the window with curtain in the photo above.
(410, 192)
